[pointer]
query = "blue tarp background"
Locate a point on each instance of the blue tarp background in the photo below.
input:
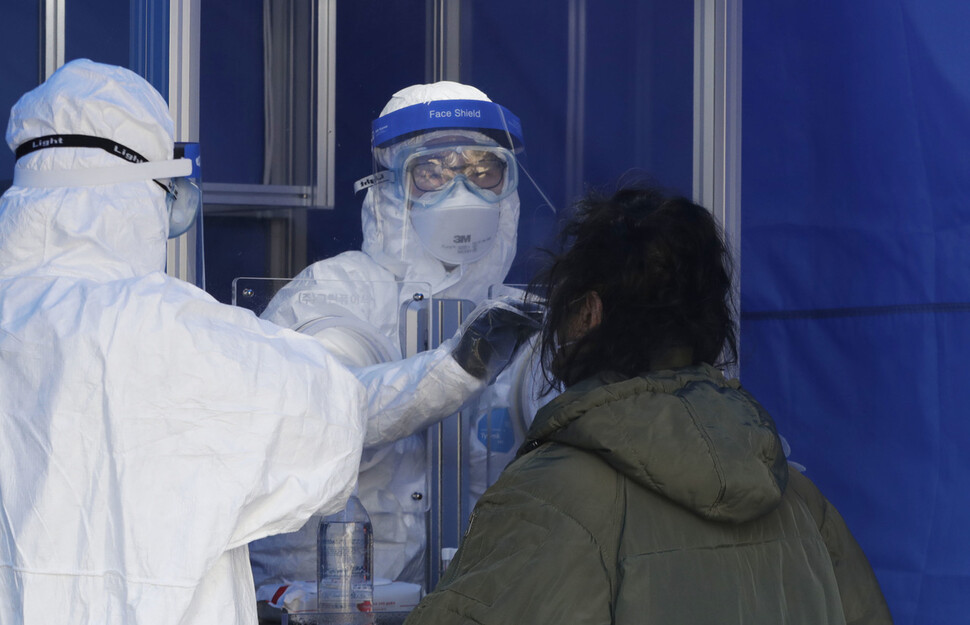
(856, 272)
(855, 261)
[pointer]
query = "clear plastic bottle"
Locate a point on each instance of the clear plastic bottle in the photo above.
(345, 563)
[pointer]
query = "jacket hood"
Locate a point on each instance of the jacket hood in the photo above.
(687, 434)
(104, 231)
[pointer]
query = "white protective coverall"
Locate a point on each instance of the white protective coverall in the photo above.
(148, 433)
(392, 482)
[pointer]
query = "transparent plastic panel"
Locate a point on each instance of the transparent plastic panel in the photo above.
(385, 318)
(604, 90)
(365, 323)
(447, 467)
(500, 419)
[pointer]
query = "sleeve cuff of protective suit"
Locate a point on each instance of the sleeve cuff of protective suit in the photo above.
(407, 396)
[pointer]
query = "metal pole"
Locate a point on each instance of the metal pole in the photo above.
(443, 60)
(575, 101)
(717, 120)
(52, 35)
(183, 101)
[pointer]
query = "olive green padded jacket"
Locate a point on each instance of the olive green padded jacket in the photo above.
(662, 499)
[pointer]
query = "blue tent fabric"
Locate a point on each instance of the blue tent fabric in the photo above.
(855, 300)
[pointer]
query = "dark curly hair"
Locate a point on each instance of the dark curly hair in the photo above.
(663, 273)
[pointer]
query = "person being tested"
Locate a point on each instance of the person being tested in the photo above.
(653, 489)
(441, 211)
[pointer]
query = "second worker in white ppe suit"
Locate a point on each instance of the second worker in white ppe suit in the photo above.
(441, 210)
(148, 433)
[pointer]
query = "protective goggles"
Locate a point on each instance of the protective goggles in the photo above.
(429, 174)
(182, 196)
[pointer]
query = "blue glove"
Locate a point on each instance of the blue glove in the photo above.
(492, 333)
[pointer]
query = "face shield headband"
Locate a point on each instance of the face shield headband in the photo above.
(488, 118)
(183, 197)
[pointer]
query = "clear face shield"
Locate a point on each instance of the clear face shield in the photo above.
(183, 197)
(442, 170)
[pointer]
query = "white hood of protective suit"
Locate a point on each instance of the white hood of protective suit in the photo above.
(391, 240)
(126, 223)
(147, 432)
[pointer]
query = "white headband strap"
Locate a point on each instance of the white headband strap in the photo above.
(95, 176)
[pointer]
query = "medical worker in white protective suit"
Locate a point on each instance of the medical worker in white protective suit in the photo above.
(441, 210)
(148, 433)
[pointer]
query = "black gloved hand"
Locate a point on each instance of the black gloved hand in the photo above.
(491, 335)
